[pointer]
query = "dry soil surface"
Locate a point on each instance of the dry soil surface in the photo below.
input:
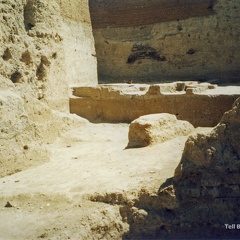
(54, 200)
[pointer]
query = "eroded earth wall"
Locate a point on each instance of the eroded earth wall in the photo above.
(207, 179)
(159, 40)
(44, 47)
(126, 102)
(80, 56)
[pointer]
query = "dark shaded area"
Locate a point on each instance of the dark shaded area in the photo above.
(167, 183)
(42, 68)
(115, 13)
(140, 51)
(191, 51)
(29, 16)
(7, 55)
(28, 26)
(16, 76)
(26, 57)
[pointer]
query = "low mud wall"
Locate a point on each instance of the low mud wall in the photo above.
(124, 103)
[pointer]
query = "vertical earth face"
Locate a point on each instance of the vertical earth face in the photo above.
(45, 46)
(155, 41)
(131, 13)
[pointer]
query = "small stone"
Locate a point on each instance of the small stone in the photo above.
(156, 128)
(25, 147)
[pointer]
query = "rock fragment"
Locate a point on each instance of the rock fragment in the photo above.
(156, 128)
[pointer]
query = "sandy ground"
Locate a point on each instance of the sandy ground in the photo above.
(52, 200)
(59, 199)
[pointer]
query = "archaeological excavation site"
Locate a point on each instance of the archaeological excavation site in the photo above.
(119, 119)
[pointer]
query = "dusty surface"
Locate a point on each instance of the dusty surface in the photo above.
(95, 188)
(88, 162)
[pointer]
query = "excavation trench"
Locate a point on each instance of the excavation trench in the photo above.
(151, 211)
(130, 189)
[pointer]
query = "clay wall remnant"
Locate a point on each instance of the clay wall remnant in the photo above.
(192, 40)
(124, 103)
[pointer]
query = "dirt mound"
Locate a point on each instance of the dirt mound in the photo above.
(156, 128)
(54, 216)
(207, 178)
(27, 126)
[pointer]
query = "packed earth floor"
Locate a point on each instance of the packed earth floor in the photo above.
(61, 199)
